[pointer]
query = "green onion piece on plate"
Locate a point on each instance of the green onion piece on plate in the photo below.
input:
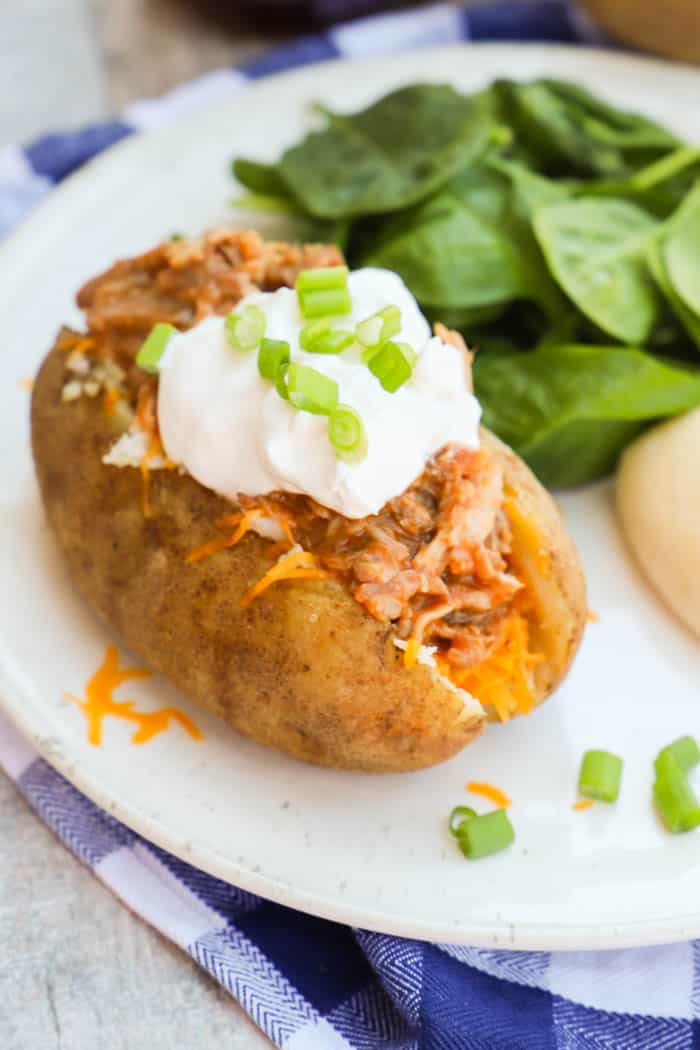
(377, 329)
(313, 331)
(246, 329)
(458, 816)
(148, 357)
(679, 756)
(346, 433)
(325, 302)
(485, 834)
(272, 355)
(676, 802)
(310, 390)
(600, 776)
(322, 279)
(393, 365)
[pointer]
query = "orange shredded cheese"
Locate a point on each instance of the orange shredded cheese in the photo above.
(410, 653)
(26, 383)
(489, 791)
(110, 399)
(503, 680)
(154, 449)
(297, 565)
(244, 522)
(81, 344)
(99, 703)
(583, 803)
(592, 617)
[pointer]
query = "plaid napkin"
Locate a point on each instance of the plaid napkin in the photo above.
(308, 983)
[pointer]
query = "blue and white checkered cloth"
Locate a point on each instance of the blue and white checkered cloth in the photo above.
(312, 984)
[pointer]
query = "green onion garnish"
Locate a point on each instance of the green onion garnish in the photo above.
(152, 349)
(377, 329)
(679, 756)
(246, 329)
(325, 302)
(322, 279)
(457, 817)
(281, 382)
(313, 331)
(319, 337)
(310, 390)
(600, 776)
(346, 433)
(393, 365)
(485, 834)
(272, 355)
(676, 802)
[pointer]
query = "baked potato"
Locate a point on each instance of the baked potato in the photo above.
(305, 668)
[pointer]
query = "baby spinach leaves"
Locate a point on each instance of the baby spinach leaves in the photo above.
(542, 222)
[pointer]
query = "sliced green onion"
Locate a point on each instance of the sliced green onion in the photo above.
(310, 390)
(458, 816)
(346, 433)
(313, 331)
(177, 236)
(679, 756)
(246, 329)
(152, 349)
(377, 329)
(322, 279)
(676, 802)
(325, 302)
(393, 365)
(600, 776)
(485, 834)
(281, 382)
(272, 355)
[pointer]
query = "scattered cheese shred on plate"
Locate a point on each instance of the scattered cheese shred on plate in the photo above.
(489, 791)
(410, 653)
(583, 803)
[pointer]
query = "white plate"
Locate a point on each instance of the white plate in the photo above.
(368, 850)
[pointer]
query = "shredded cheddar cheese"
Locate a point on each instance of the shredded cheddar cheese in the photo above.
(583, 803)
(26, 383)
(154, 449)
(244, 522)
(592, 617)
(75, 341)
(110, 399)
(296, 565)
(410, 653)
(99, 702)
(503, 680)
(489, 791)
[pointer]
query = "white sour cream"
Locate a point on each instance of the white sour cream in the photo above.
(231, 431)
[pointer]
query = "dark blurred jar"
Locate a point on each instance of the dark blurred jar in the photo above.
(275, 16)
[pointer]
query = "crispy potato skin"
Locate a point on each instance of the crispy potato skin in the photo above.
(304, 669)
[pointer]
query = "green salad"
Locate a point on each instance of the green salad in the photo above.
(559, 234)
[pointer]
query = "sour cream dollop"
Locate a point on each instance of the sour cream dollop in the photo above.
(231, 430)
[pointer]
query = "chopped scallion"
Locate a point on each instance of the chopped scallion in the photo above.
(393, 365)
(676, 802)
(310, 390)
(332, 342)
(325, 302)
(322, 279)
(281, 382)
(681, 755)
(600, 776)
(346, 433)
(457, 817)
(313, 331)
(272, 355)
(377, 329)
(246, 329)
(485, 834)
(148, 357)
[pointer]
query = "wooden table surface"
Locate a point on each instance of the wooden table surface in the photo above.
(77, 970)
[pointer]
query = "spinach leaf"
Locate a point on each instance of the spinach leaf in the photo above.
(681, 252)
(688, 318)
(594, 249)
(389, 156)
(263, 179)
(569, 410)
(567, 130)
(465, 248)
(659, 188)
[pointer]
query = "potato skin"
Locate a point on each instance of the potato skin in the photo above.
(304, 669)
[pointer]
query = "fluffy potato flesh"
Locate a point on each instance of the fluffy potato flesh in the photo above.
(304, 668)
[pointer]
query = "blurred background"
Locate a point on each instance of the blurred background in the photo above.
(67, 62)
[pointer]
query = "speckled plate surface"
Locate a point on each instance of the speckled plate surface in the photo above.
(371, 851)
